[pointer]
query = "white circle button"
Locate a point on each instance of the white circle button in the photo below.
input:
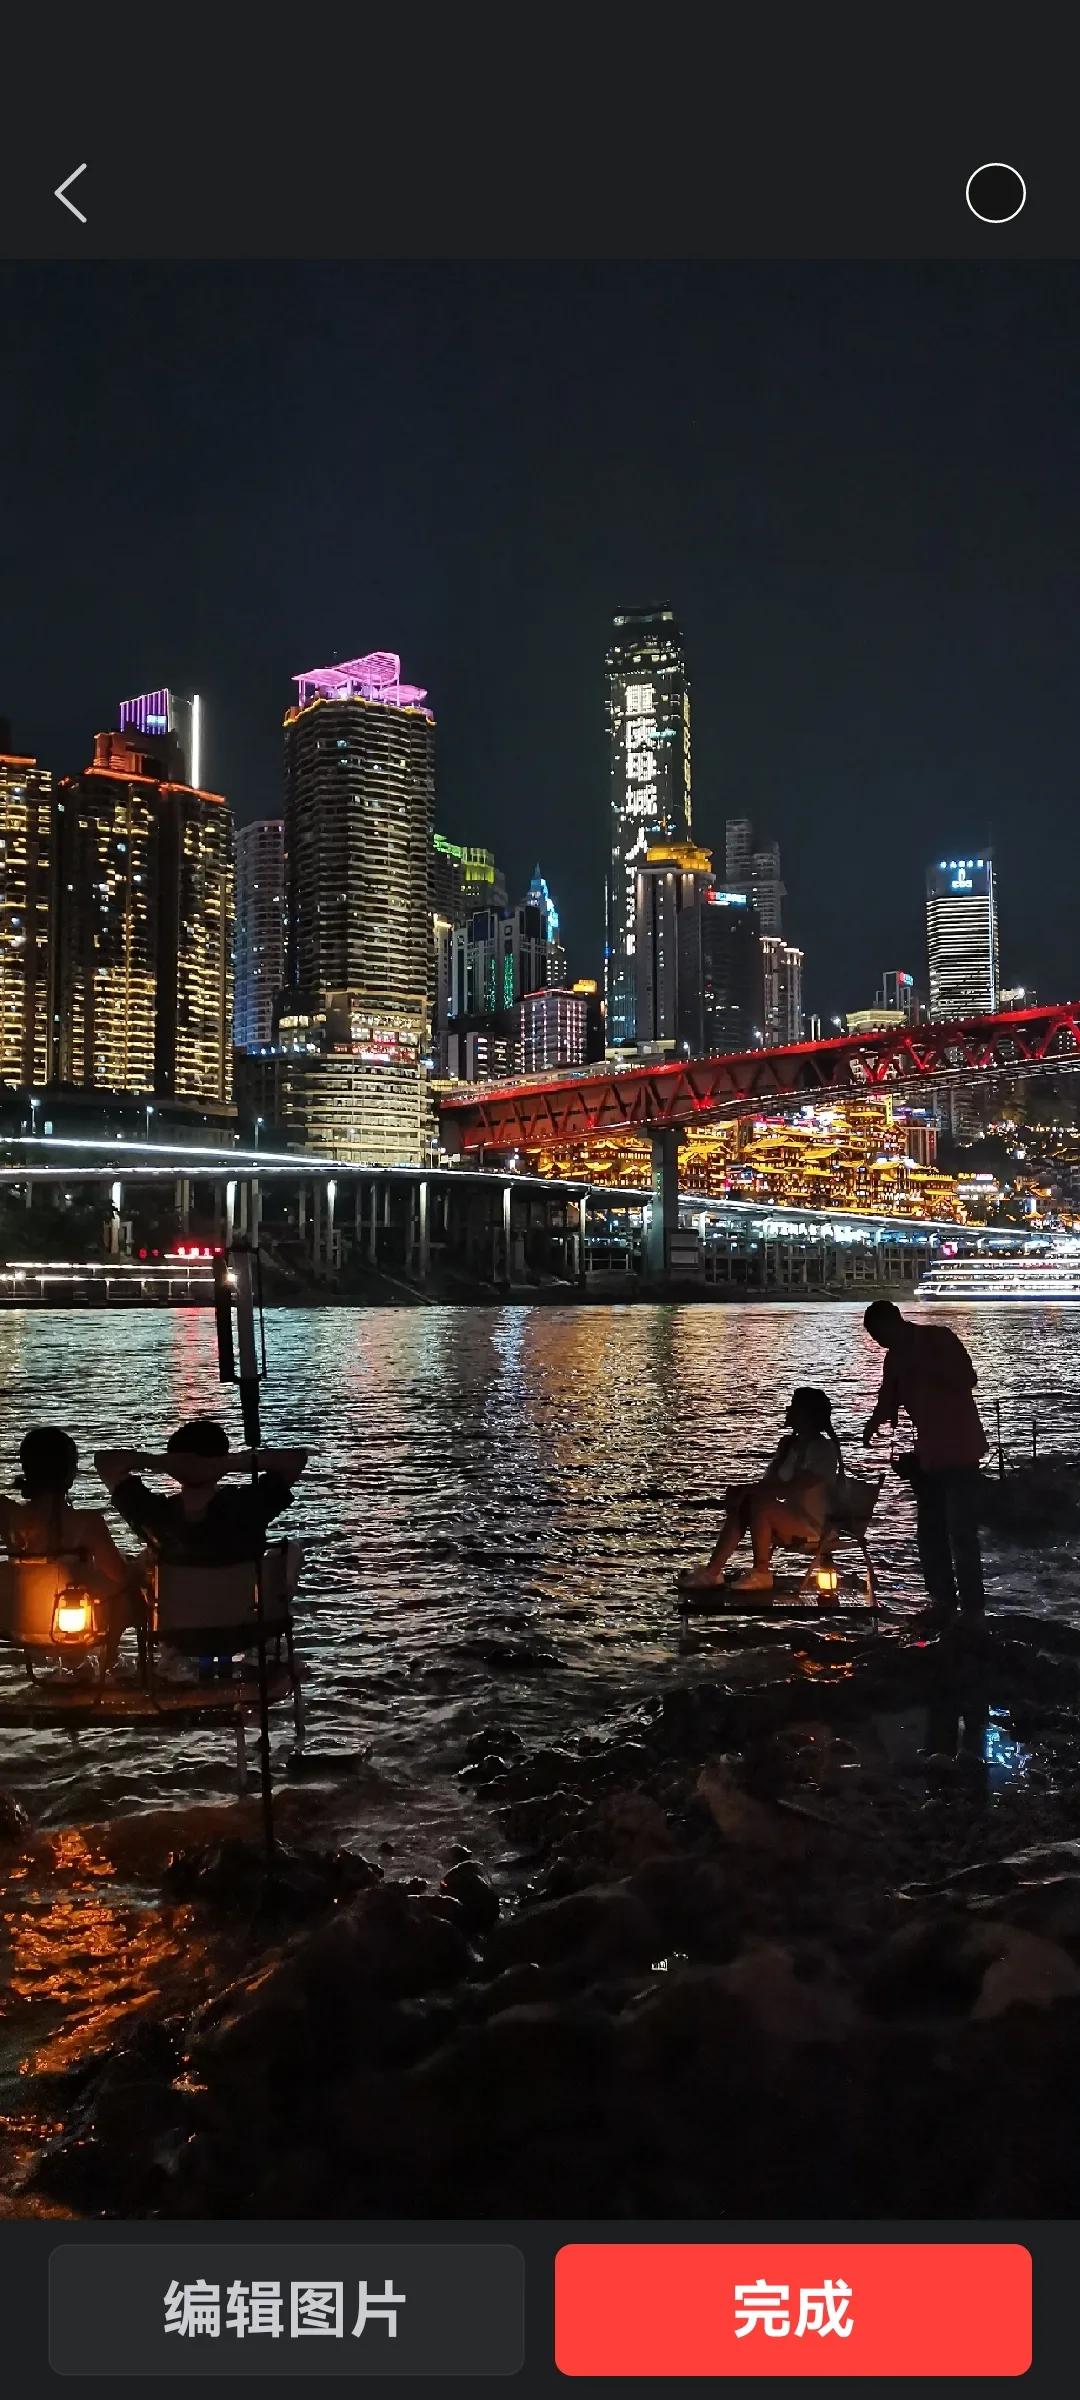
(995, 193)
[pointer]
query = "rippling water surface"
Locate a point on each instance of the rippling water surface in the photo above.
(497, 1505)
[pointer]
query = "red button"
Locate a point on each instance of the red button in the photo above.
(793, 2308)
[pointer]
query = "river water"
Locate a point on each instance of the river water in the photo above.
(497, 1504)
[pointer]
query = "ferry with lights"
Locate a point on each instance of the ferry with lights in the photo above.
(1046, 1276)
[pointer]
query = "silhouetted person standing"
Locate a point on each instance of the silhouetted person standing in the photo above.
(929, 1374)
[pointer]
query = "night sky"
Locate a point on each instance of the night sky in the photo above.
(857, 486)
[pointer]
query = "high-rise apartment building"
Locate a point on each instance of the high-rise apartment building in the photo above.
(465, 882)
(196, 883)
(720, 974)
(553, 1030)
(260, 930)
(671, 877)
(753, 867)
(648, 715)
(143, 927)
(347, 1082)
(26, 850)
(359, 823)
(767, 889)
(962, 937)
(699, 956)
(359, 803)
(738, 853)
(783, 974)
(499, 955)
(464, 878)
(158, 715)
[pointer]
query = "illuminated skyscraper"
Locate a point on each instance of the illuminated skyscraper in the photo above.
(783, 976)
(499, 956)
(720, 974)
(260, 930)
(648, 711)
(753, 867)
(553, 1030)
(359, 803)
(671, 878)
(962, 937)
(157, 714)
(143, 929)
(897, 993)
(359, 821)
(465, 878)
(26, 837)
(195, 960)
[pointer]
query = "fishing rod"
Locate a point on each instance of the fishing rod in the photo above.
(238, 1295)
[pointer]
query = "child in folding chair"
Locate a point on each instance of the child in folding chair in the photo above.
(790, 1504)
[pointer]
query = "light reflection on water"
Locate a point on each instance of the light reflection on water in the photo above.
(497, 1504)
(496, 1508)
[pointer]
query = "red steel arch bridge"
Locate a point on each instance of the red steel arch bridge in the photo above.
(678, 1093)
(662, 1101)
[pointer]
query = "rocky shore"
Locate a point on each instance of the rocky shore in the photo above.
(807, 1950)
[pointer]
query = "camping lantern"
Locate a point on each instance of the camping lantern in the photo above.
(73, 1618)
(827, 1581)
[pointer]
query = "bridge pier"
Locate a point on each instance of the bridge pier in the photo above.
(664, 1211)
(504, 1248)
(418, 1231)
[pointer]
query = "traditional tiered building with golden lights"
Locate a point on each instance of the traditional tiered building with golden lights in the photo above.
(863, 1156)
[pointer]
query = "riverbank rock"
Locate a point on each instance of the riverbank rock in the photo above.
(603, 1926)
(474, 1895)
(748, 1822)
(235, 1872)
(789, 2006)
(968, 1966)
(345, 1984)
(694, 1903)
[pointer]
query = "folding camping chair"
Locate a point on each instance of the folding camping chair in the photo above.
(849, 1521)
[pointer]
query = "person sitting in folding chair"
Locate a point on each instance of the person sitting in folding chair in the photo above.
(46, 1523)
(791, 1503)
(204, 1520)
(207, 1522)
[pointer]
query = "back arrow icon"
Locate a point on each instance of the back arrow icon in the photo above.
(62, 190)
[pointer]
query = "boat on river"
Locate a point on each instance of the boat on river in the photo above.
(1048, 1277)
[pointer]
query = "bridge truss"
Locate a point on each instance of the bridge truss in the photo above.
(681, 1093)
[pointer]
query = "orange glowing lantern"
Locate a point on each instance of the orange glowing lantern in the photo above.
(73, 1618)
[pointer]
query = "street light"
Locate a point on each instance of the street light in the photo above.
(149, 1113)
(258, 1121)
(34, 1107)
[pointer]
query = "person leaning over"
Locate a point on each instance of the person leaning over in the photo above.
(929, 1375)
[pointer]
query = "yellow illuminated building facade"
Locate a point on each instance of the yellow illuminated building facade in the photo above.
(349, 1082)
(143, 930)
(25, 873)
(195, 968)
(360, 881)
(861, 1156)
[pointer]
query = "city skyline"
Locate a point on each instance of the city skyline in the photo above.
(857, 487)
